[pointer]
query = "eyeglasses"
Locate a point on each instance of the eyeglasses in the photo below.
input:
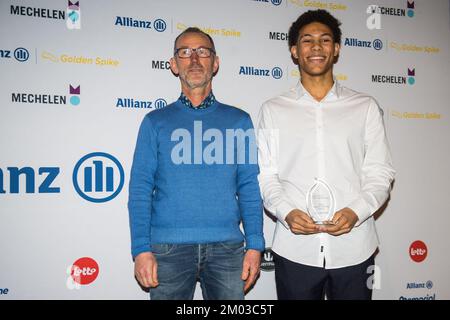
(201, 52)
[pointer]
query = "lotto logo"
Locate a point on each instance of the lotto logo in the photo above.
(83, 272)
(418, 251)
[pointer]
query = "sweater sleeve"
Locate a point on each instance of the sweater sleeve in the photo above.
(141, 188)
(249, 197)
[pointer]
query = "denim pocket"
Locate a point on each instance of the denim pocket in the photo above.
(232, 246)
(162, 248)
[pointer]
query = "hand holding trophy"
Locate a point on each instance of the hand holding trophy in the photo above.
(320, 203)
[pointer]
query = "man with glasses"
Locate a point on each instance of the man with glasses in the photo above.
(189, 190)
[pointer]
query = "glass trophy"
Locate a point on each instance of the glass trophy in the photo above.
(320, 202)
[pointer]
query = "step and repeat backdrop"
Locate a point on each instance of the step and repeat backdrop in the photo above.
(78, 77)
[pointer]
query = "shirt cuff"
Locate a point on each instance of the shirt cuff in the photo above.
(359, 206)
(282, 211)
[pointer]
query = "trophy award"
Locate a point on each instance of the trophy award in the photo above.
(320, 202)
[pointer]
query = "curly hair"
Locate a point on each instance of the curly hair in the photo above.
(321, 16)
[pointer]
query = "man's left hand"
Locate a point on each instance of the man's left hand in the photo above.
(250, 268)
(343, 222)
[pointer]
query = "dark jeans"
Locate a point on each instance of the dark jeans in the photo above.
(218, 267)
(296, 281)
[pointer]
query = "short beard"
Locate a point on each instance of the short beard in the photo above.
(194, 85)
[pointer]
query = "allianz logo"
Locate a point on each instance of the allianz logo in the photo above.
(420, 285)
(274, 2)
(376, 44)
(20, 54)
(136, 103)
(276, 72)
(97, 177)
(159, 24)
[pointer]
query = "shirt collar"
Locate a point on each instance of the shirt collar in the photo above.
(209, 100)
(336, 90)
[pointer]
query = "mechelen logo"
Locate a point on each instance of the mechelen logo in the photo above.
(98, 177)
(396, 79)
(159, 25)
(267, 263)
(276, 72)
(276, 35)
(75, 95)
(38, 98)
(73, 15)
(20, 54)
(37, 12)
(161, 64)
(408, 10)
(411, 76)
(376, 44)
(418, 251)
(133, 103)
(82, 272)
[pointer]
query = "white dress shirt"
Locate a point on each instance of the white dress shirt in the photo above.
(341, 140)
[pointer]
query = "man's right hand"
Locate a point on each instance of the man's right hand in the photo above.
(301, 223)
(146, 269)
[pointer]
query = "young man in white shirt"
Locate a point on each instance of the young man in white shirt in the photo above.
(322, 147)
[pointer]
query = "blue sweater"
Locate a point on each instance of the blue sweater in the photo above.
(176, 195)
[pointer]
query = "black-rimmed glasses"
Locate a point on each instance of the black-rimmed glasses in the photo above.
(202, 52)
